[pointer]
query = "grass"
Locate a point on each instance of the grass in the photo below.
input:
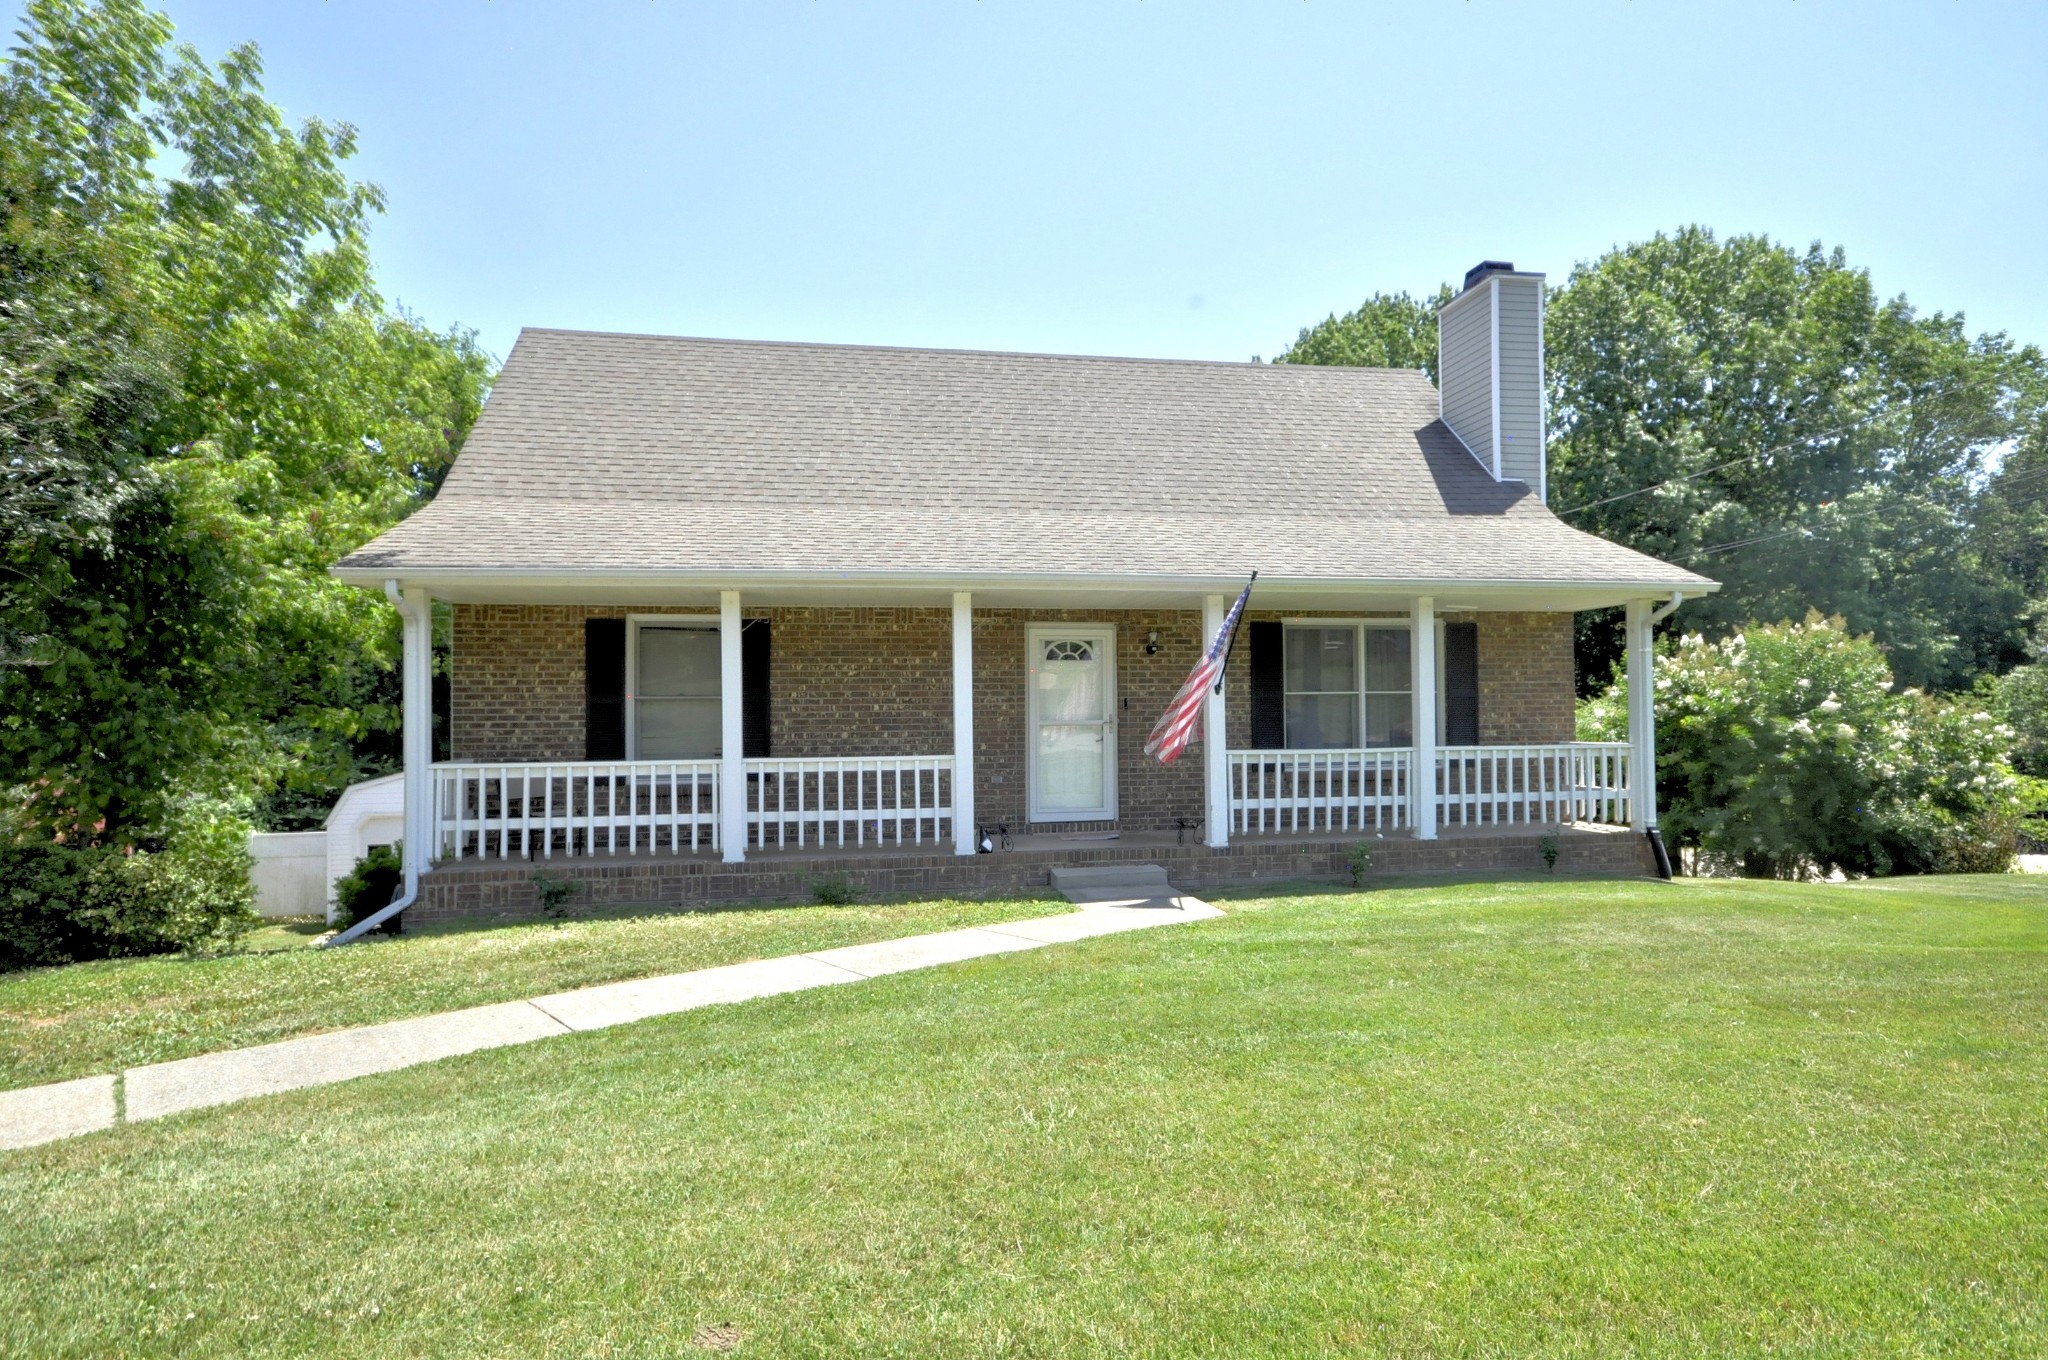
(100, 1017)
(1537, 1118)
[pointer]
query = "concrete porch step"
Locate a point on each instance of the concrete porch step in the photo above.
(1110, 882)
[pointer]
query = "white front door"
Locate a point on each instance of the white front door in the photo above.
(1072, 736)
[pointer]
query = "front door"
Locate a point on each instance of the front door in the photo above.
(1072, 715)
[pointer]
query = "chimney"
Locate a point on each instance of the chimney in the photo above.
(1490, 371)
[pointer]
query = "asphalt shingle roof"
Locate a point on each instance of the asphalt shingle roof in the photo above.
(608, 452)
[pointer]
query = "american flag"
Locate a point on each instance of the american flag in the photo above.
(1170, 734)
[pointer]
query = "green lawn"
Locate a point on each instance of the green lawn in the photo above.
(1541, 1117)
(101, 1017)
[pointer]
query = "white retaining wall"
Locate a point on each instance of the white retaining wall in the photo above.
(290, 872)
(294, 871)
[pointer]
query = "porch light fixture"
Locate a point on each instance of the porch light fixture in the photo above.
(1152, 643)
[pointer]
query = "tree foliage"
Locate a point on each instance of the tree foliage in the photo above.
(1389, 330)
(1788, 750)
(1810, 446)
(1760, 415)
(204, 402)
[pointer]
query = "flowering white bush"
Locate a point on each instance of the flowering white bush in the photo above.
(1785, 751)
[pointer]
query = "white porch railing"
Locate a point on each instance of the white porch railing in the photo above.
(1365, 790)
(538, 811)
(850, 800)
(1372, 790)
(1578, 781)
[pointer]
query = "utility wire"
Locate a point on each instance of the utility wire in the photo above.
(1706, 471)
(2019, 479)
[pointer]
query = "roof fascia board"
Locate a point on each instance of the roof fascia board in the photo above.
(375, 577)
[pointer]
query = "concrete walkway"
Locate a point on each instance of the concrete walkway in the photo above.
(65, 1109)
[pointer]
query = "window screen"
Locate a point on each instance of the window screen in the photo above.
(675, 694)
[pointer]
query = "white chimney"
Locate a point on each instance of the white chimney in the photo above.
(1489, 363)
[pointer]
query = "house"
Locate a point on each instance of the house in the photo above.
(727, 613)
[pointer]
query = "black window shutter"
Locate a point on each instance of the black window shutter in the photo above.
(754, 652)
(1269, 686)
(604, 689)
(1461, 684)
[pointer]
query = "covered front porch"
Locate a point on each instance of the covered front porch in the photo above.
(998, 726)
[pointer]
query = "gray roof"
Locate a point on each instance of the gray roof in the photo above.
(639, 453)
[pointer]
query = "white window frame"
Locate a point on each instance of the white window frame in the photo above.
(634, 623)
(1358, 625)
(1034, 634)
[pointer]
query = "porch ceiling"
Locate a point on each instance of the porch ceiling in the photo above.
(1003, 592)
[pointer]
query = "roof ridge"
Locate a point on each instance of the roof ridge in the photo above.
(858, 348)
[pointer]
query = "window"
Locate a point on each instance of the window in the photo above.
(1347, 686)
(1389, 688)
(1322, 688)
(676, 711)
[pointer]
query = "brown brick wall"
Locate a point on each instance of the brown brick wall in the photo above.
(879, 682)
(1525, 678)
(1150, 796)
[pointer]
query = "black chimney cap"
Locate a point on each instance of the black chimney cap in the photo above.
(1479, 272)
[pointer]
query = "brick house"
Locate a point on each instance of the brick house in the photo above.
(729, 613)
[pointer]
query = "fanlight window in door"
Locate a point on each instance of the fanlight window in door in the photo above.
(1069, 649)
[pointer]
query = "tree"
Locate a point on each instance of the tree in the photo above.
(206, 402)
(1389, 330)
(1802, 442)
(1759, 415)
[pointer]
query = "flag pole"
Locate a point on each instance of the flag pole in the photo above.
(1231, 650)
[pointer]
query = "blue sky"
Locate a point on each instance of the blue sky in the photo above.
(1147, 178)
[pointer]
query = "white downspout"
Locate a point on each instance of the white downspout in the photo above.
(416, 745)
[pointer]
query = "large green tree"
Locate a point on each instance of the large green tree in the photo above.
(1759, 414)
(205, 403)
(1387, 330)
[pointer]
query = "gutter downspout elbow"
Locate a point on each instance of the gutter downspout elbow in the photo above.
(410, 889)
(1677, 599)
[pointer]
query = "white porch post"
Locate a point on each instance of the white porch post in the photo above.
(1215, 747)
(1642, 719)
(732, 765)
(1422, 656)
(416, 680)
(963, 723)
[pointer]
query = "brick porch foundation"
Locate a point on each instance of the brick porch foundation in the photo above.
(501, 890)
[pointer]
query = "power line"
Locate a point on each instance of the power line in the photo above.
(1706, 471)
(2020, 479)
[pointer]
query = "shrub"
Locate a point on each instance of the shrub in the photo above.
(188, 889)
(1984, 846)
(370, 886)
(1547, 846)
(2022, 699)
(1359, 861)
(834, 890)
(555, 893)
(1785, 752)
